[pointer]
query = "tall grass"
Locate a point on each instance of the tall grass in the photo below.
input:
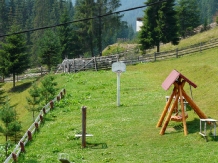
(128, 133)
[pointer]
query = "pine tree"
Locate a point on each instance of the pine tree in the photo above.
(3, 17)
(50, 49)
(98, 33)
(159, 25)
(48, 89)
(68, 38)
(10, 126)
(34, 100)
(107, 28)
(3, 63)
(189, 16)
(84, 10)
(14, 54)
(42, 11)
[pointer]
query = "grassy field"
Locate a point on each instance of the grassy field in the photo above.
(128, 133)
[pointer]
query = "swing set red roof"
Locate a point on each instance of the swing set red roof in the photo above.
(172, 77)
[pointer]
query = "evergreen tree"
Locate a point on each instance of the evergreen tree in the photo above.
(159, 25)
(42, 11)
(13, 53)
(85, 10)
(3, 63)
(49, 49)
(34, 100)
(96, 34)
(3, 17)
(68, 39)
(11, 126)
(189, 16)
(107, 28)
(48, 89)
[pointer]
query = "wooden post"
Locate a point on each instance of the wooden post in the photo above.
(194, 106)
(169, 115)
(73, 64)
(95, 62)
(41, 70)
(44, 111)
(29, 135)
(14, 157)
(22, 147)
(183, 111)
(166, 108)
(84, 127)
(51, 105)
(154, 56)
(176, 52)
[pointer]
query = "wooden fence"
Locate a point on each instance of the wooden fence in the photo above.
(129, 58)
(20, 147)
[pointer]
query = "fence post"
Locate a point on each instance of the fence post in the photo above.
(118, 58)
(14, 157)
(51, 104)
(200, 46)
(84, 127)
(29, 135)
(36, 126)
(22, 147)
(41, 70)
(154, 56)
(41, 118)
(58, 98)
(44, 111)
(177, 53)
(84, 67)
(96, 68)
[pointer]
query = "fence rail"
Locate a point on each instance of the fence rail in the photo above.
(20, 147)
(128, 57)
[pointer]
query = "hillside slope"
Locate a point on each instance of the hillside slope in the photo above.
(129, 130)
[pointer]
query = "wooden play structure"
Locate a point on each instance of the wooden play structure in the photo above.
(178, 96)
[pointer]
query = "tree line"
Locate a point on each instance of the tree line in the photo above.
(51, 45)
(171, 20)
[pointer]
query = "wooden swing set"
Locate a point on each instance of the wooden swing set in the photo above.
(179, 95)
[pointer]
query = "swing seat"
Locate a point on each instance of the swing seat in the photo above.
(178, 118)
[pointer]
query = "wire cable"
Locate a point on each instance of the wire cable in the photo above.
(81, 20)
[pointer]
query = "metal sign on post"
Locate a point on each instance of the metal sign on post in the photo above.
(118, 67)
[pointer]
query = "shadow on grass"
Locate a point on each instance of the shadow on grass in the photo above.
(21, 88)
(31, 161)
(192, 126)
(96, 145)
(49, 119)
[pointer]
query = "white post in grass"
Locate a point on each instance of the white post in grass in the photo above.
(118, 67)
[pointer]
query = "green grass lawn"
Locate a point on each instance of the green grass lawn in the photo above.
(128, 133)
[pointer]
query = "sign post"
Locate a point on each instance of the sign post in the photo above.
(118, 67)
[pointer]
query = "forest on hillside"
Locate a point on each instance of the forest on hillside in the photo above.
(90, 36)
(82, 38)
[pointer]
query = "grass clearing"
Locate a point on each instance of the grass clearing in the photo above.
(128, 133)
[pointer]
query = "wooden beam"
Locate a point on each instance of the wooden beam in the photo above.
(169, 115)
(194, 106)
(183, 111)
(166, 108)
